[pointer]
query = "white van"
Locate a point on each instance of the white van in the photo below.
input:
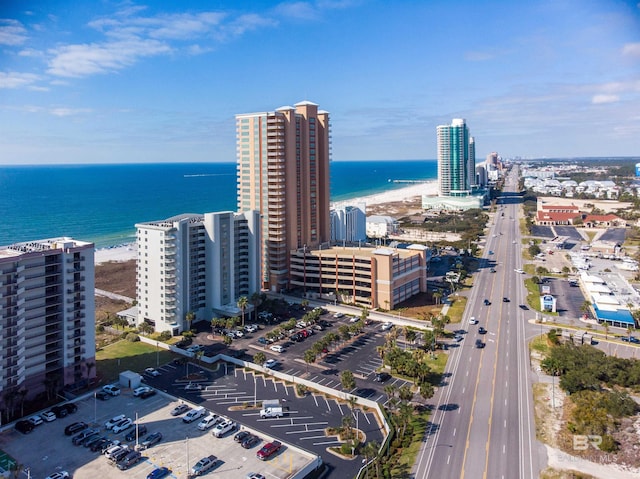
(194, 414)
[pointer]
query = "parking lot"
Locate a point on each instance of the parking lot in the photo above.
(47, 449)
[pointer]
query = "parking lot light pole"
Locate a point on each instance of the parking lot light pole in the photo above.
(95, 407)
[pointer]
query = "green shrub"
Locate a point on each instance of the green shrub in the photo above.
(165, 336)
(133, 337)
(608, 444)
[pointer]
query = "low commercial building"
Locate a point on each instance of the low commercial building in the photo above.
(372, 277)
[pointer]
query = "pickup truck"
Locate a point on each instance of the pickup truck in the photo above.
(203, 465)
(224, 427)
(268, 450)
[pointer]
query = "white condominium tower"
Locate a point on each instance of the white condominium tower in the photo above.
(283, 172)
(456, 159)
(190, 266)
(47, 318)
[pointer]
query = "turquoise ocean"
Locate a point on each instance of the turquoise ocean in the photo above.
(102, 203)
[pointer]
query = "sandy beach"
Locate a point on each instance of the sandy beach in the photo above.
(127, 252)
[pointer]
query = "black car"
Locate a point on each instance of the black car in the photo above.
(75, 427)
(99, 445)
(505, 300)
(250, 441)
(481, 330)
(59, 411)
(241, 436)
(103, 396)
(479, 344)
(487, 302)
(381, 377)
(151, 439)
(25, 427)
(70, 407)
(524, 307)
(131, 436)
(148, 393)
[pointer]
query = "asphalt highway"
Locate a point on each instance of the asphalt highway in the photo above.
(483, 423)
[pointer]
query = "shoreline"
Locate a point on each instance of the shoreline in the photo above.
(128, 251)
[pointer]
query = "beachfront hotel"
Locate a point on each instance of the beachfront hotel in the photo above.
(349, 223)
(371, 277)
(283, 172)
(457, 180)
(190, 265)
(47, 319)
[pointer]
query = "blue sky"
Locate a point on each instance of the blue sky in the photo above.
(109, 82)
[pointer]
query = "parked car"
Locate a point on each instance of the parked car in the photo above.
(338, 315)
(268, 450)
(48, 416)
(204, 465)
(114, 450)
(147, 394)
(131, 436)
(381, 377)
(90, 440)
(81, 436)
(193, 387)
(159, 473)
(255, 475)
(111, 389)
(241, 436)
(103, 396)
(122, 426)
(113, 421)
(208, 422)
(152, 372)
(131, 458)
(58, 475)
(120, 454)
(386, 326)
(277, 348)
(25, 427)
(74, 428)
(35, 420)
(138, 391)
(224, 427)
(100, 445)
(150, 440)
(250, 328)
(250, 441)
(180, 409)
(518, 270)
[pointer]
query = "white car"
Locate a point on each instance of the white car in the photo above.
(251, 328)
(152, 371)
(224, 427)
(270, 363)
(518, 270)
(48, 416)
(142, 389)
(122, 426)
(113, 421)
(111, 389)
(386, 326)
(277, 348)
(338, 315)
(35, 420)
(208, 422)
(354, 319)
(473, 320)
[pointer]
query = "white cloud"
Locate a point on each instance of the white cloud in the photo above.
(62, 112)
(631, 49)
(16, 79)
(89, 59)
(12, 32)
(298, 10)
(600, 99)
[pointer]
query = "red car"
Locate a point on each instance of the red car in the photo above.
(268, 450)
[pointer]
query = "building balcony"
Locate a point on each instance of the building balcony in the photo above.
(71, 327)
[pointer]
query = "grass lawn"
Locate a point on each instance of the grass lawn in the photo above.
(540, 344)
(438, 364)
(456, 310)
(126, 355)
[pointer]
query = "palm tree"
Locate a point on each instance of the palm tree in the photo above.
(255, 301)
(259, 358)
(309, 357)
(370, 450)
(243, 301)
(189, 317)
(437, 296)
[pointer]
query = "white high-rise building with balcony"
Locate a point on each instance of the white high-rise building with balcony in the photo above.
(191, 265)
(47, 318)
